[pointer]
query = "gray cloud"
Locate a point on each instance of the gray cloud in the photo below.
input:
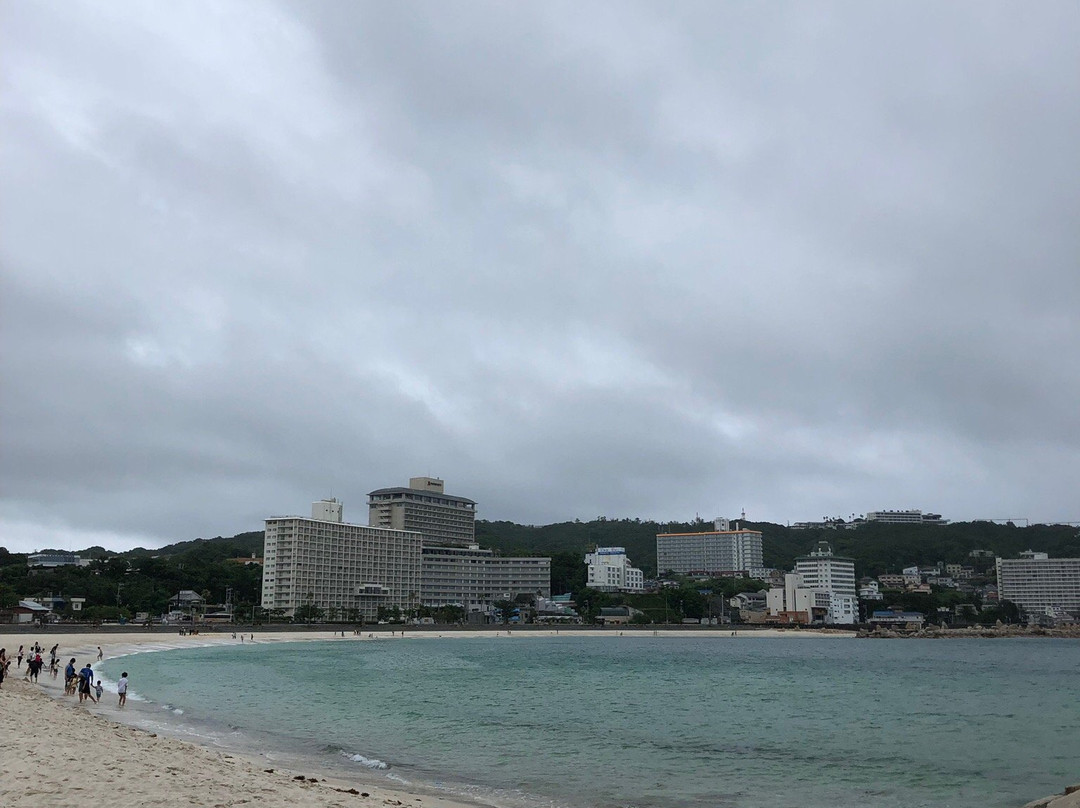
(578, 259)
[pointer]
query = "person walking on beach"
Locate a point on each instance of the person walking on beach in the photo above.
(98, 687)
(33, 667)
(99, 654)
(19, 658)
(86, 681)
(52, 652)
(121, 689)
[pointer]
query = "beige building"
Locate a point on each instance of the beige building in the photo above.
(474, 579)
(425, 508)
(333, 565)
(716, 552)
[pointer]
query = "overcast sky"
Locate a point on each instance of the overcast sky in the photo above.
(578, 259)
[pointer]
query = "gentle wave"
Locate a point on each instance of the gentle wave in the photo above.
(371, 763)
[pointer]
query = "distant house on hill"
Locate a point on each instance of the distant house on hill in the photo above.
(186, 605)
(55, 559)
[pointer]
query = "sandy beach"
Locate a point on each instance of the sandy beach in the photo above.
(56, 749)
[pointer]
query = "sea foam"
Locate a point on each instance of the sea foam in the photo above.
(371, 763)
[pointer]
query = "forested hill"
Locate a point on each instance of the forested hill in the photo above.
(145, 579)
(243, 544)
(876, 548)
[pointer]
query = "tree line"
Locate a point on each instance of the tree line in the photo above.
(146, 580)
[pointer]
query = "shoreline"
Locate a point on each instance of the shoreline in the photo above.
(136, 755)
(101, 751)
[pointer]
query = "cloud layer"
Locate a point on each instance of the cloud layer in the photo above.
(578, 259)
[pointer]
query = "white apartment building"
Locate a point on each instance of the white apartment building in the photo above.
(721, 551)
(824, 572)
(871, 591)
(1038, 583)
(425, 508)
(611, 571)
(799, 602)
(475, 579)
(333, 565)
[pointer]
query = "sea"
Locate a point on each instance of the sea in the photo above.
(653, 722)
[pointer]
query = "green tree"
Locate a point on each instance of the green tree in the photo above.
(308, 613)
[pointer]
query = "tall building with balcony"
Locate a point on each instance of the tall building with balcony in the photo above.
(611, 571)
(325, 562)
(423, 507)
(474, 579)
(1040, 584)
(721, 551)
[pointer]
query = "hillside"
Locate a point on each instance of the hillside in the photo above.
(145, 579)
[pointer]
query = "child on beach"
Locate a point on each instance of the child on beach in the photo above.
(98, 688)
(121, 689)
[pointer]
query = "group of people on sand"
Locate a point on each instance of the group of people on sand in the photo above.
(34, 662)
(75, 681)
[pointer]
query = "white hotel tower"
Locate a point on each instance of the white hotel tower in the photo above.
(824, 572)
(610, 571)
(331, 564)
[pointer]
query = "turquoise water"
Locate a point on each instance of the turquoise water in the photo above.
(643, 721)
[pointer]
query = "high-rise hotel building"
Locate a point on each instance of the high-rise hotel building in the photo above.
(333, 565)
(432, 561)
(721, 551)
(1040, 584)
(474, 579)
(424, 507)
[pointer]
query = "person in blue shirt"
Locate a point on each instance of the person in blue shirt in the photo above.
(86, 681)
(69, 677)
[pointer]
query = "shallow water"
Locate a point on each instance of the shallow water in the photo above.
(642, 721)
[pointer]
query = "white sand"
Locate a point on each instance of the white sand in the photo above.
(54, 749)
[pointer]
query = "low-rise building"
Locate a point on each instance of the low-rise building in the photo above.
(27, 611)
(56, 559)
(897, 619)
(616, 615)
(910, 517)
(870, 591)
